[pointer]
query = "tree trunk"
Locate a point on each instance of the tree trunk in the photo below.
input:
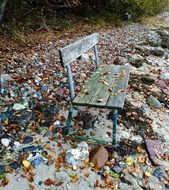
(2, 8)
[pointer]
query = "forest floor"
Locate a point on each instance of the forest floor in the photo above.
(34, 95)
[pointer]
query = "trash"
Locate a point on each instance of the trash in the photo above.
(74, 156)
(18, 107)
(26, 163)
(99, 156)
(5, 142)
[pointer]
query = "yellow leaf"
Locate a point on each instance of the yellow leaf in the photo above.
(147, 174)
(129, 160)
(26, 163)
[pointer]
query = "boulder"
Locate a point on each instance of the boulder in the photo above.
(99, 156)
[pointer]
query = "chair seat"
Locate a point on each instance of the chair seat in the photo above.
(106, 88)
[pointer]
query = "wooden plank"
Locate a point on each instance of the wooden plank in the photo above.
(89, 89)
(102, 93)
(117, 97)
(71, 52)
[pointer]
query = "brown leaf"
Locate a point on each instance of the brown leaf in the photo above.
(4, 182)
(59, 183)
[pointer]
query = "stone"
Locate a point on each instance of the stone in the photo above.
(136, 60)
(165, 38)
(157, 51)
(147, 80)
(99, 156)
(5, 142)
(129, 179)
(18, 107)
(153, 102)
(154, 148)
(123, 186)
(138, 139)
(117, 168)
(154, 39)
(164, 76)
(136, 95)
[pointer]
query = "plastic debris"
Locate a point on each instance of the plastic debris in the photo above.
(74, 156)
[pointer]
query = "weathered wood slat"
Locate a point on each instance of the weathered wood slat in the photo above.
(117, 97)
(102, 93)
(89, 89)
(71, 52)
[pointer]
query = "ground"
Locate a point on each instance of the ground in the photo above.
(34, 95)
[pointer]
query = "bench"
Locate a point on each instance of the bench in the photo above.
(105, 89)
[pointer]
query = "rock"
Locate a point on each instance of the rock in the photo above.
(99, 156)
(157, 51)
(18, 107)
(154, 148)
(154, 39)
(15, 165)
(165, 38)
(123, 186)
(153, 102)
(164, 76)
(136, 60)
(155, 184)
(5, 142)
(131, 180)
(119, 60)
(2, 169)
(106, 168)
(147, 80)
(136, 95)
(117, 168)
(138, 139)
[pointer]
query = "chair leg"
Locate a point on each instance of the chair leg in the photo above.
(69, 120)
(114, 119)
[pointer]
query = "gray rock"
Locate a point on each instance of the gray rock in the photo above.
(155, 184)
(129, 179)
(136, 95)
(136, 60)
(157, 51)
(154, 39)
(165, 38)
(164, 76)
(123, 186)
(153, 102)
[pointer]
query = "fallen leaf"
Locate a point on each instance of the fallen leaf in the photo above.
(4, 182)
(59, 183)
(48, 182)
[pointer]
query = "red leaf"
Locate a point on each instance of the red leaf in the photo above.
(48, 182)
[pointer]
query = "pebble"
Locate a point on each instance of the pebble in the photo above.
(153, 102)
(18, 107)
(164, 76)
(74, 167)
(5, 142)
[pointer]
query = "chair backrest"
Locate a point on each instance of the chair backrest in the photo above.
(71, 52)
